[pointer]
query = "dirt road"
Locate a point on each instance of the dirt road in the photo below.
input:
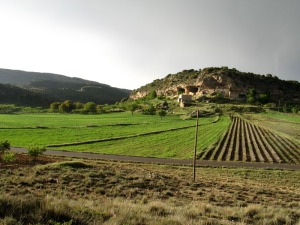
(87, 155)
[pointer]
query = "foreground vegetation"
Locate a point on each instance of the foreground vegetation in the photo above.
(104, 192)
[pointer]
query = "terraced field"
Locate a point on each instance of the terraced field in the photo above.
(247, 142)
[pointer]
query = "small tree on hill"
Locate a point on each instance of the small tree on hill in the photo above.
(132, 107)
(150, 110)
(264, 98)
(162, 113)
(251, 95)
(152, 94)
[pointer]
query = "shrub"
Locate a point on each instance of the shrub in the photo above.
(132, 107)
(54, 106)
(90, 107)
(162, 113)
(295, 109)
(36, 150)
(9, 156)
(286, 108)
(4, 146)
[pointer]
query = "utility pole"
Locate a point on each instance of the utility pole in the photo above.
(195, 147)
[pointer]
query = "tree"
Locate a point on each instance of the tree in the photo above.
(99, 109)
(152, 94)
(162, 113)
(78, 105)
(132, 107)
(150, 110)
(4, 146)
(66, 107)
(54, 106)
(264, 98)
(251, 95)
(90, 107)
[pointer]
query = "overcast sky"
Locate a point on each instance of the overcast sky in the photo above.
(128, 43)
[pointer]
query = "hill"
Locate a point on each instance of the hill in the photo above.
(54, 87)
(230, 83)
(10, 94)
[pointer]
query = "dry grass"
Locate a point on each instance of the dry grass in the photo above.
(103, 192)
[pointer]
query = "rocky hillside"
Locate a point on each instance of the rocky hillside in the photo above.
(230, 83)
(53, 87)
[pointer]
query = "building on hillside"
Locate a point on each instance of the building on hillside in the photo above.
(184, 99)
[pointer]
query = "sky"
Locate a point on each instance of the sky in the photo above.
(129, 43)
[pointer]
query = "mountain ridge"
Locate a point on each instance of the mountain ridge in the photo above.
(56, 87)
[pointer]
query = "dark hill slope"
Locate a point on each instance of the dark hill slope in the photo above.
(10, 94)
(229, 81)
(22, 77)
(60, 88)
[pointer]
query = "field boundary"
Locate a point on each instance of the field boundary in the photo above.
(179, 162)
(120, 138)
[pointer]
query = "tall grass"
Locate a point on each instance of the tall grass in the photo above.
(51, 210)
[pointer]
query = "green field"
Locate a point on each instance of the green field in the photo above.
(48, 129)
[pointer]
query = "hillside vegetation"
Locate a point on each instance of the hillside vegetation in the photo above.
(40, 89)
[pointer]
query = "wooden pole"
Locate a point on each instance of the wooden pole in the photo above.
(195, 147)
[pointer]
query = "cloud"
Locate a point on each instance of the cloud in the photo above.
(130, 43)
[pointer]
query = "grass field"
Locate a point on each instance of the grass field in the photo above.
(172, 144)
(104, 192)
(46, 129)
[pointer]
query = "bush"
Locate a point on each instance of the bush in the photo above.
(162, 113)
(36, 150)
(9, 156)
(4, 146)
(286, 108)
(295, 109)
(90, 107)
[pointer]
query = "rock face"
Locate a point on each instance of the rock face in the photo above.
(229, 83)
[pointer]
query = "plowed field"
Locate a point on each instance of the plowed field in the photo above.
(247, 142)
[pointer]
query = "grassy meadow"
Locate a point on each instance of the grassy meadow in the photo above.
(167, 137)
(104, 192)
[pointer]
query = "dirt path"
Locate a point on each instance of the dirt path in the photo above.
(87, 155)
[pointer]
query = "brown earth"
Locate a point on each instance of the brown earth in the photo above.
(24, 160)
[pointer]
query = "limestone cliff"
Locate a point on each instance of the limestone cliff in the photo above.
(228, 82)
